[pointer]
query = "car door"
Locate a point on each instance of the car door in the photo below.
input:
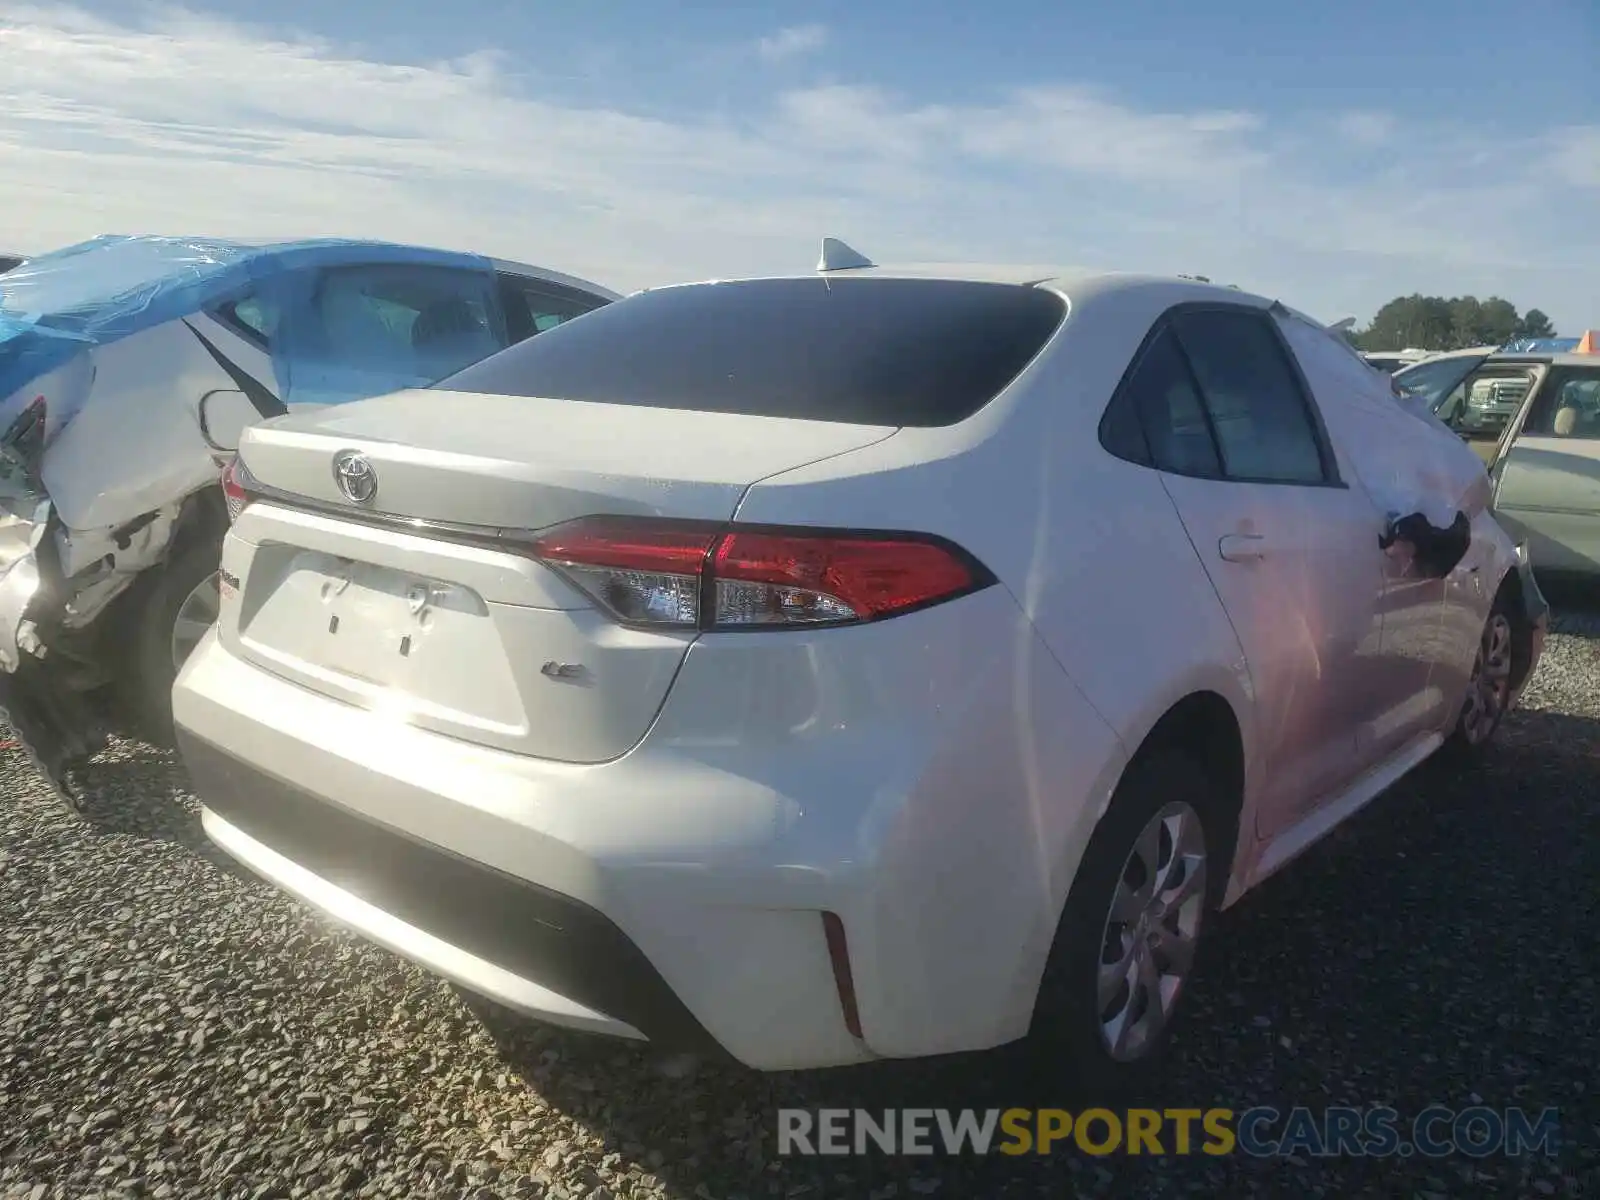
(1547, 480)
(1387, 454)
(1291, 549)
(355, 331)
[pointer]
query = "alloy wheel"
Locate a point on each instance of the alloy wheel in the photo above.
(1152, 932)
(196, 615)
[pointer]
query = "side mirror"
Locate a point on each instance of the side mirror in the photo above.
(224, 416)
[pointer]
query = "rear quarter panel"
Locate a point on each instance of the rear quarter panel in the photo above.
(135, 445)
(932, 768)
(1090, 547)
(1469, 594)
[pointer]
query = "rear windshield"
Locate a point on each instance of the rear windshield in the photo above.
(862, 351)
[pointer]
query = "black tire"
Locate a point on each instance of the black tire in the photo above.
(1067, 1023)
(148, 670)
(1490, 687)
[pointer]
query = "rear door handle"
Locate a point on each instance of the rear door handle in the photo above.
(1242, 547)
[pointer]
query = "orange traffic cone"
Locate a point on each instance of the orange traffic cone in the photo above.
(1589, 343)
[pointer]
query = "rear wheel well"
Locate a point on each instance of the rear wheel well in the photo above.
(203, 515)
(1202, 726)
(142, 669)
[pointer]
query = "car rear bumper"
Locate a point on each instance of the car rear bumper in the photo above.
(486, 930)
(447, 854)
(678, 893)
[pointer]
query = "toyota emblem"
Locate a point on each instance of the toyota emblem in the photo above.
(357, 481)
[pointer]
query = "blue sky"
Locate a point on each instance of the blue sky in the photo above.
(1333, 155)
(1417, 57)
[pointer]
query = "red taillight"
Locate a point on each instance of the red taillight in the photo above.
(235, 488)
(689, 575)
(831, 578)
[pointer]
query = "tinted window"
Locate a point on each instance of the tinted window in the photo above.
(1568, 405)
(255, 318)
(862, 351)
(534, 306)
(416, 323)
(1260, 413)
(1121, 429)
(1161, 391)
(7, 262)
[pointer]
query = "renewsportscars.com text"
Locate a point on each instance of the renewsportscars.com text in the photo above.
(1261, 1132)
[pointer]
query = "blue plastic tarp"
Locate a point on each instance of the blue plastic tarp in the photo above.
(59, 304)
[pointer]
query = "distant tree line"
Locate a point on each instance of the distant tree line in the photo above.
(1437, 323)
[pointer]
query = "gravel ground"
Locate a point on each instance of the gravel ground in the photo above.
(170, 1028)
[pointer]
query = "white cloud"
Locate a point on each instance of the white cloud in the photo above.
(1371, 129)
(1576, 155)
(189, 124)
(793, 42)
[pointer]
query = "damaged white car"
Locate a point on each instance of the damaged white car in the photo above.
(129, 367)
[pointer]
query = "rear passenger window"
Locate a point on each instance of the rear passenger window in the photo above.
(534, 306)
(253, 316)
(1121, 431)
(1162, 393)
(415, 324)
(1261, 416)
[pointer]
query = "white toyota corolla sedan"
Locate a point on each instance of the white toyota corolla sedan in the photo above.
(865, 664)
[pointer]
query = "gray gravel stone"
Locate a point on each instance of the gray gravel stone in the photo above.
(171, 1027)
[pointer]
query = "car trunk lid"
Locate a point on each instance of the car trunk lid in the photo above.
(496, 461)
(421, 600)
